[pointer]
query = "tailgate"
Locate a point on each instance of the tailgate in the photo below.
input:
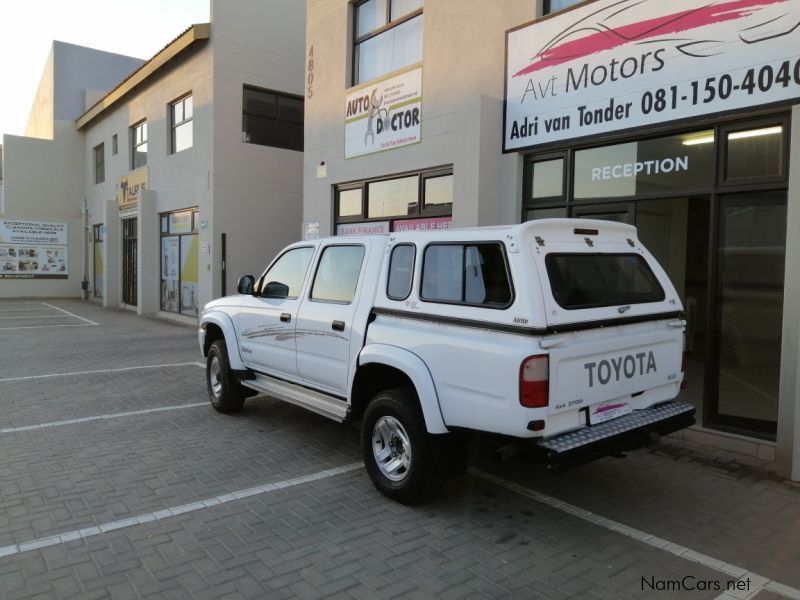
(596, 366)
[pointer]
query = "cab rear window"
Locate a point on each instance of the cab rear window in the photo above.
(595, 280)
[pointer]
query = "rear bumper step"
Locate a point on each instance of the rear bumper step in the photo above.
(623, 433)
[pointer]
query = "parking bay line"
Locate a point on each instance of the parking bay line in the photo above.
(36, 317)
(174, 511)
(118, 370)
(66, 312)
(130, 413)
(733, 571)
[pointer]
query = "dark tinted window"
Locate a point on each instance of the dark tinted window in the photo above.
(401, 272)
(272, 119)
(595, 280)
(285, 278)
(466, 274)
(337, 274)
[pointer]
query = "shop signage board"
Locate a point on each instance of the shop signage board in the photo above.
(368, 228)
(383, 115)
(611, 66)
(33, 250)
(130, 190)
(427, 224)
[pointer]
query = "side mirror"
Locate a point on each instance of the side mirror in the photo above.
(246, 284)
(275, 289)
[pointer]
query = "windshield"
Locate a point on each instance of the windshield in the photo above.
(597, 280)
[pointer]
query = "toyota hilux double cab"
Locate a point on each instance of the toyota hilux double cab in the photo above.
(564, 332)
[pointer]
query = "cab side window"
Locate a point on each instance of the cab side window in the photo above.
(285, 277)
(337, 274)
(474, 274)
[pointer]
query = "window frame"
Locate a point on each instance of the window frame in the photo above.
(308, 295)
(276, 119)
(163, 217)
(260, 282)
(413, 269)
(547, 8)
(133, 145)
(173, 126)
(723, 180)
(421, 212)
(114, 145)
(389, 24)
(464, 244)
(99, 165)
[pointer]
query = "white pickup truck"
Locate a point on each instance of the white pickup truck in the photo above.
(565, 331)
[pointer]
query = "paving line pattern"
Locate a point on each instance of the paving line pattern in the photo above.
(118, 370)
(758, 583)
(130, 413)
(160, 515)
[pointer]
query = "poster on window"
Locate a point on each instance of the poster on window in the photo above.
(384, 115)
(33, 250)
(190, 260)
(616, 65)
(169, 273)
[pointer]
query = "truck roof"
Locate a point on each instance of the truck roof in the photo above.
(547, 229)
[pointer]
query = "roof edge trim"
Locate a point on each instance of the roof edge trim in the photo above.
(198, 31)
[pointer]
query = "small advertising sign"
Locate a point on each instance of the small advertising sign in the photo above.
(130, 189)
(33, 250)
(369, 228)
(383, 115)
(428, 224)
(615, 65)
(310, 230)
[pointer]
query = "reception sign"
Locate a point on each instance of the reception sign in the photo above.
(612, 65)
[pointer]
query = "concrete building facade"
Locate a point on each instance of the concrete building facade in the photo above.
(185, 171)
(432, 113)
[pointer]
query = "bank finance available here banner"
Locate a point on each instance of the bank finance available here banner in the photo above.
(33, 250)
(614, 65)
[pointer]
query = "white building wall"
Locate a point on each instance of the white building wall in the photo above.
(462, 109)
(258, 194)
(44, 170)
(176, 181)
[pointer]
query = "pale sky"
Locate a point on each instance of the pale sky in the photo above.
(137, 28)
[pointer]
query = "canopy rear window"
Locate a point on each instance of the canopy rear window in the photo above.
(596, 280)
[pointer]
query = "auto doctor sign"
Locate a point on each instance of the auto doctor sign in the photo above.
(613, 65)
(383, 115)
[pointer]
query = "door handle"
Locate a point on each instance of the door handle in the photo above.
(286, 317)
(337, 325)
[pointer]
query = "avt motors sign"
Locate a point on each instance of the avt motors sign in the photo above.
(613, 65)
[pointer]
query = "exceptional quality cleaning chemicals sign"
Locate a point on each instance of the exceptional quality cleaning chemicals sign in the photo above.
(33, 250)
(383, 115)
(613, 65)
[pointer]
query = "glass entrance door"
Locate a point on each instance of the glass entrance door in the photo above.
(751, 250)
(129, 261)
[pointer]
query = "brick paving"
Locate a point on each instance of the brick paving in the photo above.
(334, 537)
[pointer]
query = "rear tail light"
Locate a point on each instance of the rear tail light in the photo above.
(534, 381)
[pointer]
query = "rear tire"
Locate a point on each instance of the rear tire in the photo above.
(226, 394)
(397, 449)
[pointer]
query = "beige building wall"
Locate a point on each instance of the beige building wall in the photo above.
(258, 190)
(462, 100)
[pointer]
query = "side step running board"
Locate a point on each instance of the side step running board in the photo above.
(323, 404)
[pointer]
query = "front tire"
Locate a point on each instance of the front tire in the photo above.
(226, 394)
(397, 448)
